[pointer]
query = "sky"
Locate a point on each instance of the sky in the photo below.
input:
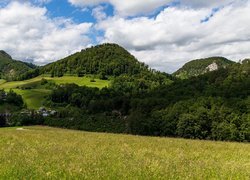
(164, 34)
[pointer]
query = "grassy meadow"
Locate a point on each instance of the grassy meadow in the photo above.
(81, 81)
(35, 96)
(50, 153)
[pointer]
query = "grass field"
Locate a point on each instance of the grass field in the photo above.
(49, 153)
(81, 81)
(34, 97)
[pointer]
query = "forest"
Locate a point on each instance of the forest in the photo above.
(213, 105)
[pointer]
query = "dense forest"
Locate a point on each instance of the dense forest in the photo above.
(213, 105)
(103, 60)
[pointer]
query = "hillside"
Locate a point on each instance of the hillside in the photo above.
(66, 154)
(10, 69)
(202, 66)
(105, 59)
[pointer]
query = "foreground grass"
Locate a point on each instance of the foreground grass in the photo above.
(44, 153)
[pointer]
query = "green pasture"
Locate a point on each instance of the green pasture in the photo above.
(36, 95)
(33, 98)
(81, 81)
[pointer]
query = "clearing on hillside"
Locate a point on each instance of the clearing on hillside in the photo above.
(49, 153)
(81, 81)
(34, 94)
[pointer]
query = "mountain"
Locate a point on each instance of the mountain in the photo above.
(202, 66)
(105, 59)
(10, 68)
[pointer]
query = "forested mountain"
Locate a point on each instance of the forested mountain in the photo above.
(10, 69)
(213, 106)
(202, 66)
(105, 59)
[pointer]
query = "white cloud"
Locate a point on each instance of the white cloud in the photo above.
(165, 42)
(139, 7)
(98, 13)
(86, 2)
(177, 35)
(127, 7)
(206, 3)
(28, 34)
(39, 2)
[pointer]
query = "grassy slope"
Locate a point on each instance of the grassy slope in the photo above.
(42, 152)
(2, 81)
(34, 97)
(81, 81)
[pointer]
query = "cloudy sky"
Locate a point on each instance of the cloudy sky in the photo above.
(162, 33)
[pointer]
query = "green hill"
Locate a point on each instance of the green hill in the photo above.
(10, 69)
(105, 59)
(202, 66)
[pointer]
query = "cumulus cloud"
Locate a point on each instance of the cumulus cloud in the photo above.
(39, 2)
(177, 35)
(139, 7)
(125, 8)
(28, 34)
(98, 13)
(185, 30)
(202, 4)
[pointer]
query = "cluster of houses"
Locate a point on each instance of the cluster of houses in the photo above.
(46, 112)
(41, 111)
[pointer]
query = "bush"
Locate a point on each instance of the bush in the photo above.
(44, 81)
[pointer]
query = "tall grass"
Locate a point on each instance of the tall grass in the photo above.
(49, 153)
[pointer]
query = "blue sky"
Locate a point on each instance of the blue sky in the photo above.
(62, 8)
(162, 33)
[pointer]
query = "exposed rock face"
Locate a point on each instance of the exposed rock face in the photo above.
(212, 67)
